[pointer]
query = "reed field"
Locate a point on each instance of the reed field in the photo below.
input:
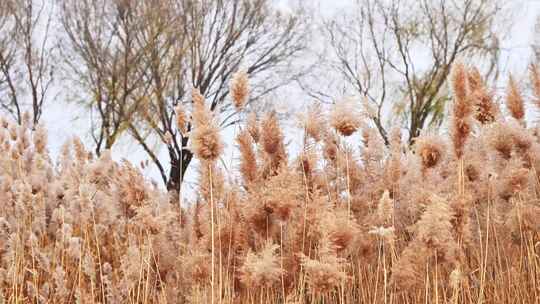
(452, 218)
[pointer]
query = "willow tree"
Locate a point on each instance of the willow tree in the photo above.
(103, 59)
(138, 60)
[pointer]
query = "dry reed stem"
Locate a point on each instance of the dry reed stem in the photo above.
(450, 220)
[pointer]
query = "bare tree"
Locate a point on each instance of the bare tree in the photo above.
(220, 38)
(138, 59)
(399, 53)
(104, 58)
(165, 72)
(26, 68)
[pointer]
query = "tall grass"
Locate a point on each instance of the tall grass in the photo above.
(453, 219)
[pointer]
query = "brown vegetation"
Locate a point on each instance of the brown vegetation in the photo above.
(450, 220)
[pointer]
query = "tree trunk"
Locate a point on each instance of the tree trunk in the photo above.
(178, 170)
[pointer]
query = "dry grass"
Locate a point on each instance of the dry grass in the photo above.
(454, 219)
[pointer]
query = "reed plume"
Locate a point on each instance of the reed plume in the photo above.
(534, 75)
(262, 270)
(431, 149)
(206, 142)
(337, 221)
(253, 127)
(248, 160)
(514, 100)
(181, 118)
(486, 110)
(345, 118)
(272, 142)
(462, 109)
(313, 122)
(239, 89)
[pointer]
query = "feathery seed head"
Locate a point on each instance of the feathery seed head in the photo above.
(474, 79)
(271, 137)
(514, 100)
(253, 127)
(248, 161)
(486, 110)
(462, 109)
(430, 149)
(345, 118)
(535, 80)
(206, 141)
(313, 122)
(385, 208)
(181, 118)
(262, 270)
(240, 89)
